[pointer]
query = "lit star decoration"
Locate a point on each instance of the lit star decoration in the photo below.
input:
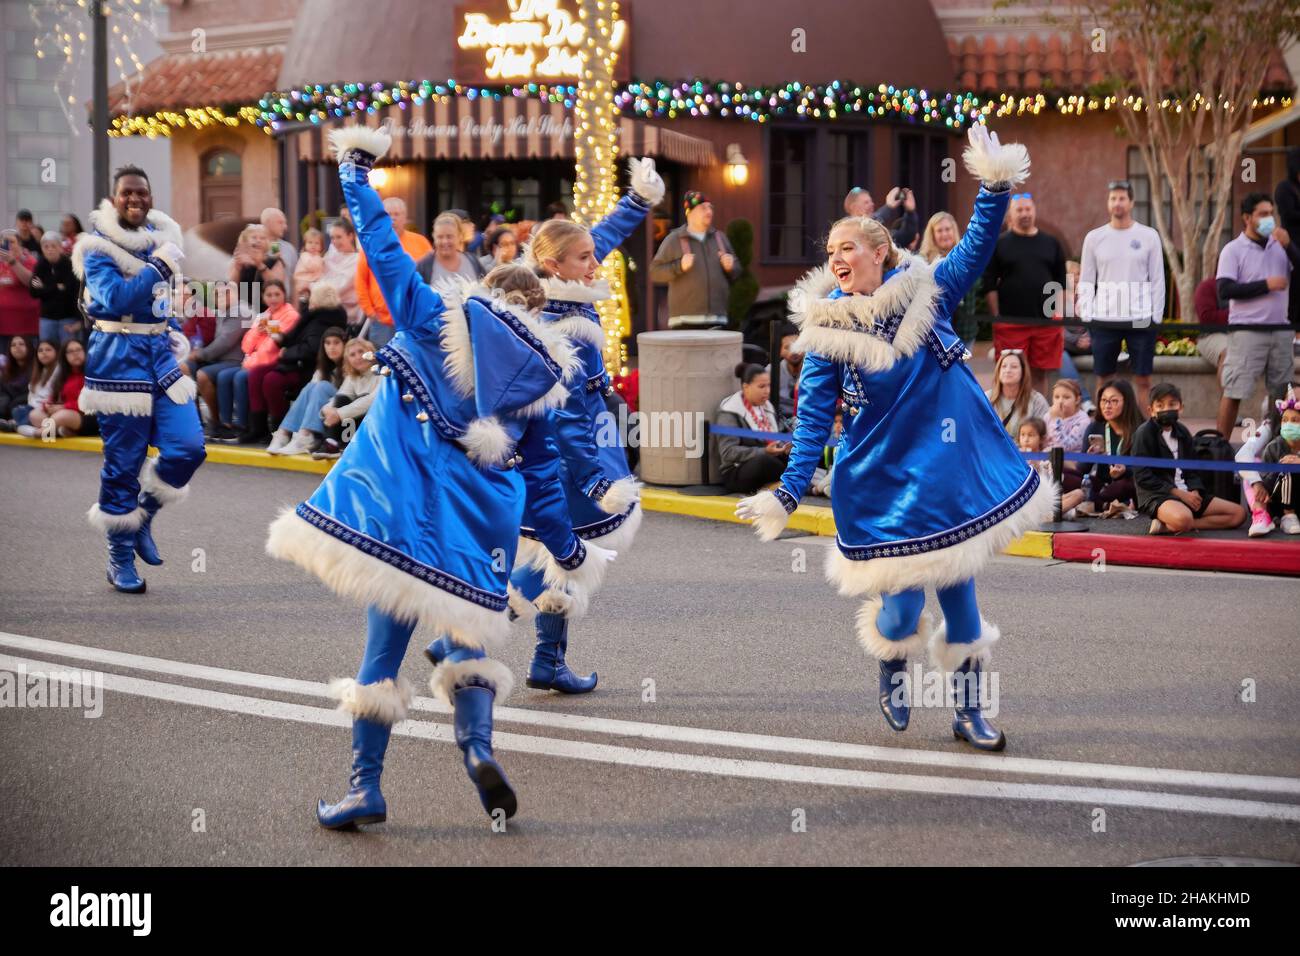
(64, 33)
(595, 152)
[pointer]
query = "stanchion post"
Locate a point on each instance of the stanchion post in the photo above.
(1056, 458)
(704, 463)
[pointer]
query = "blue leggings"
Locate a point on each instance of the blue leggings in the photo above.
(386, 640)
(173, 429)
(901, 613)
(232, 395)
(305, 410)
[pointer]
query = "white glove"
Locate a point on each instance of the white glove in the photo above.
(646, 182)
(766, 512)
(171, 254)
(180, 345)
(993, 163)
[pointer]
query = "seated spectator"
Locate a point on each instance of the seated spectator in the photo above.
(15, 375)
(42, 384)
(299, 348)
(1275, 494)
(1011, 395)
(1174, 499)
(822, 475)
(302, 429)
(1212, 346)
(346, 410)
(222, 356)
(310, 267)
(61, 416)
(58, 289)
(1111, 486)
(261, 346)
(791, 366)
(341, 269)
(198, 322)
(1033, 437)
(1253, 443)
(750, 463)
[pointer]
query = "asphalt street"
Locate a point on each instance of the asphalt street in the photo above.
(735, 721)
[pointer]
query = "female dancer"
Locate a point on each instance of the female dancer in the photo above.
(875, 328)
(603, 496)
(420, 517)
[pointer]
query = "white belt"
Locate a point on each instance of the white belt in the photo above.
(132, 328)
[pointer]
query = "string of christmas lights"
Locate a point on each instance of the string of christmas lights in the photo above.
(63, 27)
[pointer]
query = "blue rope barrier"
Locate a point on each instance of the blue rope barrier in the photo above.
(1165, 464)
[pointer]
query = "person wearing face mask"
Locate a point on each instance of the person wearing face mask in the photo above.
(876, 330)
(1253, 275)
(1175, 500)
(1278, 493)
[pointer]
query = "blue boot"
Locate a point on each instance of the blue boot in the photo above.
(121, 562)
(144, 543)
(548, 670)
(969, 723)
(473, 722)
(363, 802)
(893, 693)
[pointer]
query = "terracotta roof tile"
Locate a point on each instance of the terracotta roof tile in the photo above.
(220, 78)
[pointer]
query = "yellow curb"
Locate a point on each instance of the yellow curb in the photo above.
(217, 454)
(813, 519)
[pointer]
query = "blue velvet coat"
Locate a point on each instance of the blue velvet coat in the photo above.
(928, 484)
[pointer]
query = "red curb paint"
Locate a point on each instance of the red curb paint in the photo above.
(1188, 552)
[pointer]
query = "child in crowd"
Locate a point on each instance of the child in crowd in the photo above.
(1033, 437)
(301, 429)
(343, 416)
(310, 267)
(1066, 424)
(61, 416)
(1174, 499)
(15, 376)
(41, 388)
(1276, 495)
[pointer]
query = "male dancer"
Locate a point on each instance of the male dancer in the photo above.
(133, 382)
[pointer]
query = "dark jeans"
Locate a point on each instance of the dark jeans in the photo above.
(753, 474)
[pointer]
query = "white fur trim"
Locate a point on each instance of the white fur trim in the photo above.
(948, 657)
(569, 591)
(360, 577)
(524, 608)
(646, 182)
(586, 577)
(580, 329)
(942, 567)
(768, 515)
(373, 141)
(454, 338)
(92, 401)
(446, 676)
(571, 290)
(114, 240)
(887, 649)
(180, 345)
(486, 442)
(555, 398)
(384, 702)
(106, 522)
(557, 345)
(150, 482)
(1007, 164)
(620, 539)
(829, 326)
(555, 601)
(183, 390)
(622, 494)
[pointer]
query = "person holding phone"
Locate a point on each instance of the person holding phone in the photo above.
(1111, 433)
(19, 311)
(750, 463)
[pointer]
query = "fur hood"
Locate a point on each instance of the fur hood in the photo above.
(871, 331)
(568, 290)
(110, 238)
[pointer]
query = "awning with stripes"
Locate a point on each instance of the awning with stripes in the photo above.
(509, 128)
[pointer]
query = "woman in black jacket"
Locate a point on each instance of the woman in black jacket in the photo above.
(301, 344)
(58, 289)
(14, 379)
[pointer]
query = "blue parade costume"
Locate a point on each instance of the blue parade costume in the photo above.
(419, 518)
(602, 494)
(928, 484)
(134, 384)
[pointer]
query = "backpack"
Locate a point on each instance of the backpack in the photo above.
(1210, 445)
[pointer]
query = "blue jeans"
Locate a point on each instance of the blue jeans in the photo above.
(305, 410)
(21, 414)
(232, 394)
(60, 330)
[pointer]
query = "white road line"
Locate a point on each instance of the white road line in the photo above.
(986, 763)
(691, 763)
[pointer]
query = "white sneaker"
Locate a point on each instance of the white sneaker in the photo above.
(1261, 525)
(278, 441)
(28, 431)
(301, 443)
(1290, 524)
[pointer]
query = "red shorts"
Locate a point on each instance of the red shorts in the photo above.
(1041, 344)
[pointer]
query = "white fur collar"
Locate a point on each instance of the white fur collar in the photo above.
(834, 327)
(119, 243)
(580, 328)
(568, 290)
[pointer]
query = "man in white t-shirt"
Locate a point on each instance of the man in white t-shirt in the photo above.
(1122, 280)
